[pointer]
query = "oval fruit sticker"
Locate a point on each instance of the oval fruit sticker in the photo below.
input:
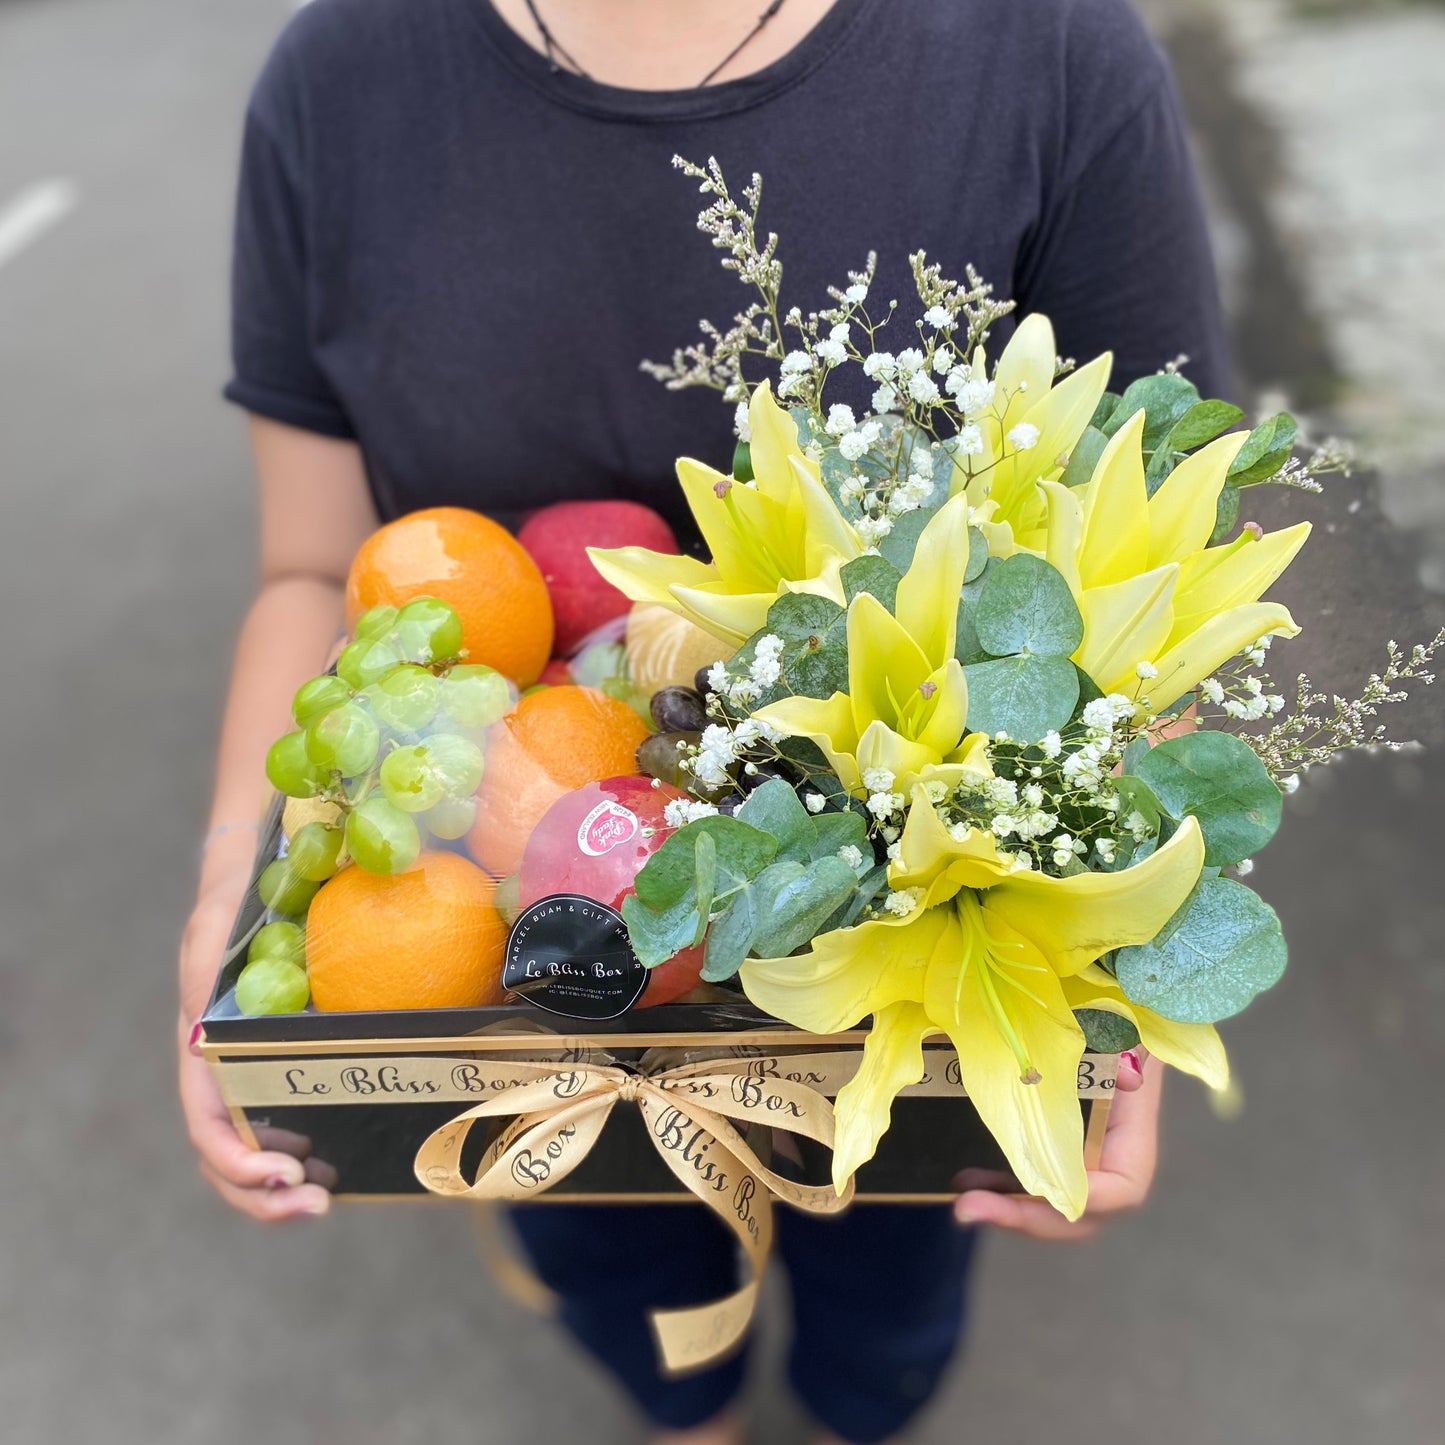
(606, 827)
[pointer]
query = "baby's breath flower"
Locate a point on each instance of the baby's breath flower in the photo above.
(1145, 670)
(902, 902)
(851, 855)
(740, 423)
(910, 360)
(939, 318)
(885, 399)
(856, 295)
(1025, 436)
(840, 419)
(969, 442)
(973, 396)
(879, 366)
(681, 811)
(1052, 745)
(922, 388)
(814, 802)
(943, 360)
(833, 352)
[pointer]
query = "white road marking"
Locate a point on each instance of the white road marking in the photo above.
(33, 212)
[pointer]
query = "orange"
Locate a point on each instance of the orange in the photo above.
(474, 565)
(557, 739)
(426, 938)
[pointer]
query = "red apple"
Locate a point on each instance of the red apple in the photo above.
(556, 673)
(557, 537)
(593, 841)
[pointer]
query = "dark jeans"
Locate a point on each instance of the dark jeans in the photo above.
(878, 1302)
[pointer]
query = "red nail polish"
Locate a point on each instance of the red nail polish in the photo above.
(1132, 1059)
(194, 1037)
(278, 1181)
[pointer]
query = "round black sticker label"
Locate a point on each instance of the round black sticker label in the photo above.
(570, 955)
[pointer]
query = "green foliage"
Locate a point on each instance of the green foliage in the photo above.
(1026, 606)
(1200, 424)
(1085, 456)
(1164, 399)
(1218, 779)
(1227, 947)
(1269, 447)
(1105, 1032)
(1024, 696)
(977, 555)
(743, 462)
(814, 658)
(871, 574)
(771, 876)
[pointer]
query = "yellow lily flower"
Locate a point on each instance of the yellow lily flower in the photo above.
(993, 957)
(780, 533)
(1000, 479)
(907, 702)
(1148, 584)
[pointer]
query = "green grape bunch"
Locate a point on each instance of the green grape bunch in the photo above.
(394, 742)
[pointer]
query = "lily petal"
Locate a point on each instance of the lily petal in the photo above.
(885, 665)
(644, 576)
(892, 1059)
(1126, 623)
(999, 1000)
(774, 446)
(1078, 919)
(852, 972)
(736, 548)
(1207, 648)
(1063, 531)
(927, 602)
(827, 722)
(1211, 582)
(1192, 1048)
(1182, 511)
(730, 616)
(1115, 543)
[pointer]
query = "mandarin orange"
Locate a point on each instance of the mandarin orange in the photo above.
(474, 565)
(556, 740)
(430, 937)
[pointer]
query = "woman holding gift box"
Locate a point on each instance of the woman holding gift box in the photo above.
(457, 235)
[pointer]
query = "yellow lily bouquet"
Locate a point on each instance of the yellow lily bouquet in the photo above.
(979, 760)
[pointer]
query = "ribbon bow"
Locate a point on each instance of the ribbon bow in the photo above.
(560, 1112)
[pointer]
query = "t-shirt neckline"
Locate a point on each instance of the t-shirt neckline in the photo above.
(624, 103)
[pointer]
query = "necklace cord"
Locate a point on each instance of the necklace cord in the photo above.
(554, 49)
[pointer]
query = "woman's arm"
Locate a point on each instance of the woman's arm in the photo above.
(315, 512)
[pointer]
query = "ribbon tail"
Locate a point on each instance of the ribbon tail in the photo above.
(688, 1339)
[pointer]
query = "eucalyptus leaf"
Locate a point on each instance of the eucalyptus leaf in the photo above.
(1218, 779)
(1025, 696)
(1026, 606)
(1108, 403)
(977, 554)
(842, 830)
(1137, 796)
(1089, 690)
(966, 646)
(1137, 750)
(657, 934)
(670, 875)
(793, 902)
(1084, 457)
(900, 544)
(1105, 1032)
(729, 937)
(816, 671)
(704, 855)
(774, 808)
(799, 616)
(871, 574)
(1228, 947)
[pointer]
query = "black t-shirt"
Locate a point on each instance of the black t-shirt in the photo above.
(459, 258)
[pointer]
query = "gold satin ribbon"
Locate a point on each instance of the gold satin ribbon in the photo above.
(560, 1113)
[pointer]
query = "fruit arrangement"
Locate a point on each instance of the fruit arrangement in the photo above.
(445, 773)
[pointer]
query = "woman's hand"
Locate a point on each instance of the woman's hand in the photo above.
(1125, 1172)
(276, 1182)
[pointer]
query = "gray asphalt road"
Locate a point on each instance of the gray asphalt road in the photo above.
(1286, 1284)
